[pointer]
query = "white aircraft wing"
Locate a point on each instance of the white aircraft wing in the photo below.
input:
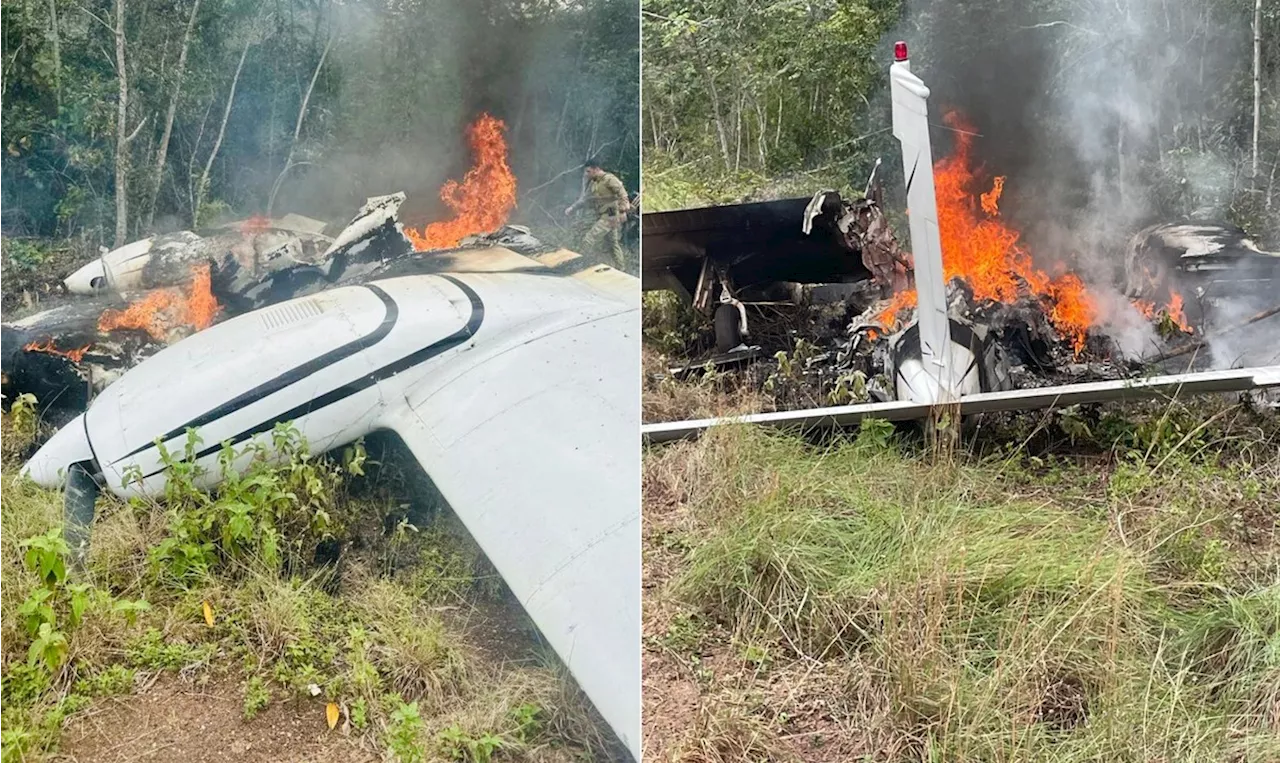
(533, 446)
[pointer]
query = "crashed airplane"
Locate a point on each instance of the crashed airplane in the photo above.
(510, 378)
(984, 329)
(135, 300)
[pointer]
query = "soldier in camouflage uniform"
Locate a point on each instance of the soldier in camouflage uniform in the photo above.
(606, 197)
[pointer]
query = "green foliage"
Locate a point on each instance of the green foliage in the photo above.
(269, 514)
(359, 714)
(23, 418)
(59, 121)
(739, 93)
(528, 721)
(458, 745)
(849, 388)
(25, 255)
(256, 697)
(45, 555)
(56, 606)
(17, 742)
(67, 641)
(110, 681)
(684, 633)
(405, 730)
(1027, 622)
(874, 434)
(670, 326)
(153, 652)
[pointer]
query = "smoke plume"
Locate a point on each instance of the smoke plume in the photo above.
(1106, 115)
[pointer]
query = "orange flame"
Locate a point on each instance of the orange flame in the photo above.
(485, 197)
(48, 347)
(256, 224)
(980, 249)
(163, 310)
(1173, 310)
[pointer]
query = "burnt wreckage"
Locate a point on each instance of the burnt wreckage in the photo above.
(732, 263)
(135, 300)
(502, 365)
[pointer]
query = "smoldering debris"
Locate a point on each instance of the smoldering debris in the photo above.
(157, 291)
(838, 346)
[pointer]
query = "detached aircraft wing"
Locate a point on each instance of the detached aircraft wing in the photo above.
(758, 243)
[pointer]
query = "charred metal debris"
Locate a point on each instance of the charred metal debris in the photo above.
(800, 295)
(133, 301)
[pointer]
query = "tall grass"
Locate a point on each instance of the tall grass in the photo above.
(979, 618)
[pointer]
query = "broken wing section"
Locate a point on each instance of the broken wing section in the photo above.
(533, 446)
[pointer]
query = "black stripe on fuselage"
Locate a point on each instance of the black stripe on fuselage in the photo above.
(292, 376)
(364, 382)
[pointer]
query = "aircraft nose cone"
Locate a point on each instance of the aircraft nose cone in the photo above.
(48, 467)
(88, 279)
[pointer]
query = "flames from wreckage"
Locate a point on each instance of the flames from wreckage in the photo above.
(484, 199)
(985, 253)
(48, 347)
(163, 310)
(1173, 310)
(256, 224)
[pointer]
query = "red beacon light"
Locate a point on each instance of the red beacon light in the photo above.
(899, 51)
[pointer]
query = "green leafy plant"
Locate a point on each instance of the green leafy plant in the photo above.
(48, 649)
(23, 419)
(849, 388)
(256, 697)
(25, 255)
(404, 732)
(461, 746)
(527, 718)
(875, 434)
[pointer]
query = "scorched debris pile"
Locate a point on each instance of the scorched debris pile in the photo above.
(1182, 285)
(137, 299)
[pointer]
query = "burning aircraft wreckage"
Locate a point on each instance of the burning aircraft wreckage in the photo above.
(505, 366)
(969, 318)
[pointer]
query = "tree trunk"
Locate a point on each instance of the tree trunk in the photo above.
(122, 128)
(57, 54)
(762, 139)
(1257, 81)
(715, 105)
(203, 186)
(162, 153)
(297, 128)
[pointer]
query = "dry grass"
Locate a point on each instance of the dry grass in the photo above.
(710, 395)
(878, 603)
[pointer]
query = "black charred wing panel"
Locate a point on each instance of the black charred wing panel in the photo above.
(1216, 256)
(759, 243)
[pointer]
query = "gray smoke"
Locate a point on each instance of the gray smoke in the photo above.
(1105, 115)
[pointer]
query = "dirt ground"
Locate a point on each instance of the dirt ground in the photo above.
(175, 720)
(702, 709)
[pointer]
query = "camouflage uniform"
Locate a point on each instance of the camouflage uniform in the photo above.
(890, 266)
(607, 198)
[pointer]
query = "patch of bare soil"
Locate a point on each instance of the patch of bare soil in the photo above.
(670, 695)
(174, 720)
